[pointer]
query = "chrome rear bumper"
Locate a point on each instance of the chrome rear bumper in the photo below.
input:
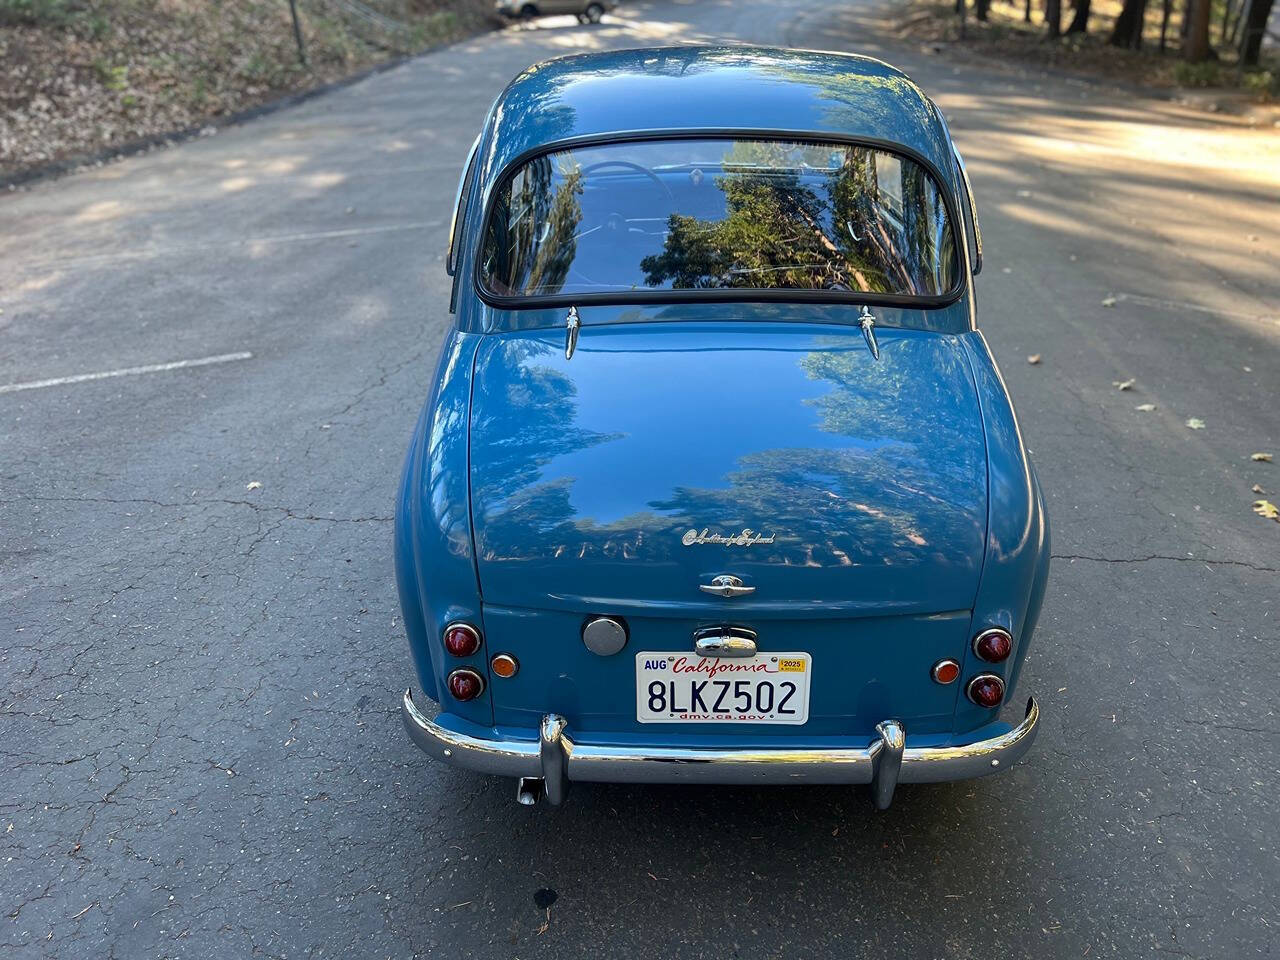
(556, 760)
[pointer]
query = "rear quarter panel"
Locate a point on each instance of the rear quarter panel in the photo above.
(1016, 567)
(434, 560)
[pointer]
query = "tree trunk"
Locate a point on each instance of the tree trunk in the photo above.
(1080, 22)
(1255, 25)
(1026, 12)
(980, 9)
(1164, 22)
(1196, 49)
(1053, 17)
(1226, 19)
(1128, 28)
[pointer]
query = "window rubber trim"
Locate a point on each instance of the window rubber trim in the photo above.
(699, 295)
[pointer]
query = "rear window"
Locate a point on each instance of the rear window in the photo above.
(637, 218)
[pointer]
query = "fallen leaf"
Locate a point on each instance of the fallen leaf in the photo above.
(1123, 384)
(1109, 302)
(1033, 359)
(1006, 269)
(1257, 488)
(253, 485)
(1265, 508)
(1145, 407)
(1195, 423)
(1261, 457)
(1024, 193)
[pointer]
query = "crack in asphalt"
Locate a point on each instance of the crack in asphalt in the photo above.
(1160, 556)
(289, 513)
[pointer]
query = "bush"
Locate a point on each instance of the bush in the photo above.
(1205, 74)
(1262, 82)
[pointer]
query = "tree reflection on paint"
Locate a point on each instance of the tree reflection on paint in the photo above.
(905, 487)
(509, 485)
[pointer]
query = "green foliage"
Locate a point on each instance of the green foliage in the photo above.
(38, 12)
(1262, 82)
(93, 24)
(113, 77)
(1205, 74)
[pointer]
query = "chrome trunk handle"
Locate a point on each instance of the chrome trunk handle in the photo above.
(726, 586)
(724, 641)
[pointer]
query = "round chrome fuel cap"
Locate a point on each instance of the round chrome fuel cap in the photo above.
(604, 636)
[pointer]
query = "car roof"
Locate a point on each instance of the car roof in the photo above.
(712, 88)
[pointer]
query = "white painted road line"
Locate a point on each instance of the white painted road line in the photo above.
(126, 372)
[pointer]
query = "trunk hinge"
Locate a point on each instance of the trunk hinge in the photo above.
(571, 325)
(868, 324)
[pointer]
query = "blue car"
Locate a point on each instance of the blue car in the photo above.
(717, 481)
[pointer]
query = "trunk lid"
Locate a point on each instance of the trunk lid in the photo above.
(661, 456)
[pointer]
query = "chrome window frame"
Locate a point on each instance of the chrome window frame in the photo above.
(972, 216)
(450, 259)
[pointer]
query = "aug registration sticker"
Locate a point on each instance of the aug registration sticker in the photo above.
(686, 688)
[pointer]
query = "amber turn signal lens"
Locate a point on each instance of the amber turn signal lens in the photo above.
(461, 639)
(986, 690)
(994, 645)
(465, 684)
(946, 671)
(504, 665)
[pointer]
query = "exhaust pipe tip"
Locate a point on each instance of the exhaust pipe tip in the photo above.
(528, 789)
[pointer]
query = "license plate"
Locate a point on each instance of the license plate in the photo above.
(687, 688)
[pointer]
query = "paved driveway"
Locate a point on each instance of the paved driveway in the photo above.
(201, 752)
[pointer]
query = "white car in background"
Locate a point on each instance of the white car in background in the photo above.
(587, 11)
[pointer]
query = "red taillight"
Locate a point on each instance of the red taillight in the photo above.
(994, 645)
(465, 684)
(986, 690)
(461, 639)
(946, 671)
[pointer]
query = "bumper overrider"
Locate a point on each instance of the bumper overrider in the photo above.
(554, 759)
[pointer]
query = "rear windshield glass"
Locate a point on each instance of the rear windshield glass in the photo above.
(744, 215)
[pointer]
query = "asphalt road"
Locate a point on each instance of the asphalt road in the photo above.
(199, 741)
